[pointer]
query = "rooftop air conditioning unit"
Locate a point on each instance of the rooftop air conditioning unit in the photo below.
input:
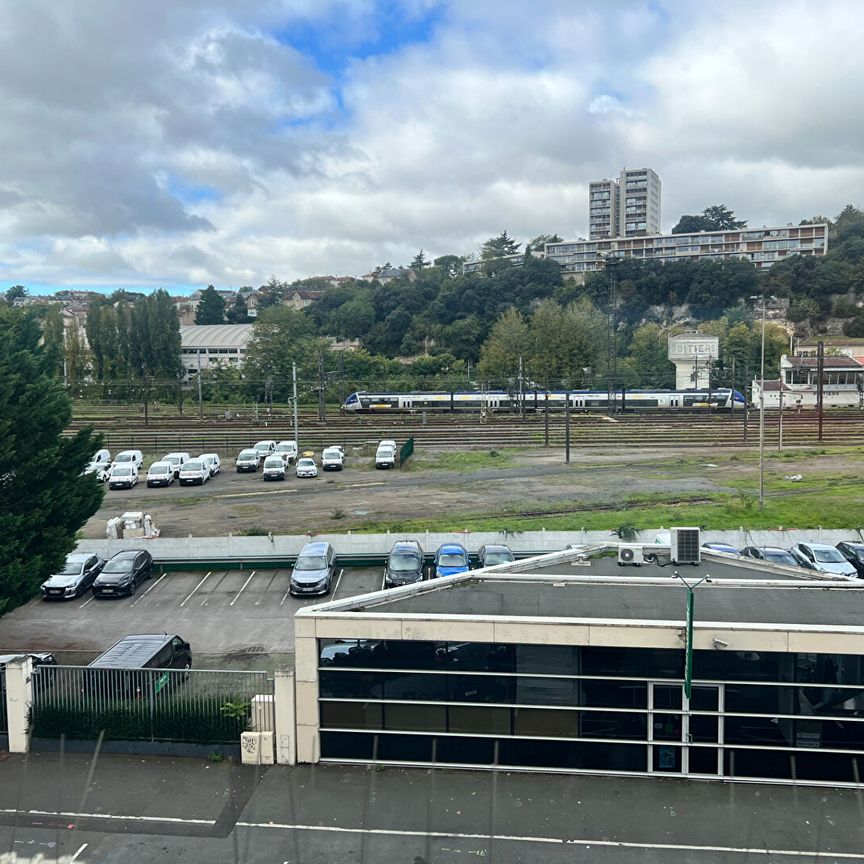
(630, 555)
(685, 545)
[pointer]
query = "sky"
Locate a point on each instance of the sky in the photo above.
(175, 145)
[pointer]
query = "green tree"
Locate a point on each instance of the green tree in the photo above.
(498, 247)
(717, 217)
(77, 356)
(689, 223)
(420, 261)
(238, 312)
(449, 265)
(647, 362)
(542, 239)
(44, 500)
(507, 342)
(53, 337)
(14, 293)
(211, 307)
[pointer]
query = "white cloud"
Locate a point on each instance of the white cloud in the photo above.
(191, 143)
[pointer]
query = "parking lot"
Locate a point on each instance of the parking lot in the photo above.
(232, 618)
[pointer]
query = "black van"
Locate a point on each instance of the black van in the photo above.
(132, 667)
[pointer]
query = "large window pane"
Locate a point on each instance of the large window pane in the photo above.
(410, 654)
(633, 662)
(615, 694)
(416, 685)
(481, 688)
(465, 751)
(611, 724)
(351, 715)
(405, 748)
(476, 657)
(743, 666)
(419, 718)
(351, 685)
(491, 721)
(546, 722)
(546, 691)
(353, 653)
(346, 745)
(548, 659)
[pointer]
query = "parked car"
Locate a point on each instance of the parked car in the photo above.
(387, 442)
(130, 666)
(313, 571)
(74, 578)
(306, 467)
(721, 547)
(450, 559)
(385, 456)
(178, 460)
(129, 457)
(274, 468)
(248, 460)
(102, 470)
(288, 449)
(123, 477)
(160, 474)
(101, 455)
(492, 554)
(853, 552)
(212, 461)
(332, 459)
(822, 557)
(404, 564)
(194, 472)
(264, 448)
(123, 573)
(771, 554)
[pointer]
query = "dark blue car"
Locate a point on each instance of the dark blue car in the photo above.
(450, 559)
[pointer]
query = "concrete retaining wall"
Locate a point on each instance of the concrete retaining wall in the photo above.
(204, 549)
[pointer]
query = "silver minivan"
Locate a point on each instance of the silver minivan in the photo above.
(314, 568)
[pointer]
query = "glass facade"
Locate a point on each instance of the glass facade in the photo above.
(750, 714)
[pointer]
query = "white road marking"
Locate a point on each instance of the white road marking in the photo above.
(361, 485)
(338, 580)
(561, 841)
(142, 596)
(114, 816)
(243, 588)
(195, 589)
(92, 598)
(81, 848)
(285, 595)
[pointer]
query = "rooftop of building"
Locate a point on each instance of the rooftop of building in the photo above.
(215, 335)
(828, 362)
(592, 587)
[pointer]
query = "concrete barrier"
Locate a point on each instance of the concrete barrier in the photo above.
(282, 547)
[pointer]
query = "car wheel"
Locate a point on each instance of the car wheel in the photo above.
(133, 588)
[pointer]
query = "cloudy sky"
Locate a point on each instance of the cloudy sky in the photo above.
(178, 144)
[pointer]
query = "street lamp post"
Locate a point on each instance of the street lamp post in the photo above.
(762, 410)
(688, 637)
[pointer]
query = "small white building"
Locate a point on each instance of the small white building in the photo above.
(203, 346)
(798, 385)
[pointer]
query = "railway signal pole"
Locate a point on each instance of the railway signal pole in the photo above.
(294, 383)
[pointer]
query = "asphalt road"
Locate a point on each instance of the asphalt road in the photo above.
(114, 809)
(233, 619)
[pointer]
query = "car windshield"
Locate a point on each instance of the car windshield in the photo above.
(120, 471)
(451, 559)
(286, 446)
(262, 445)
(404, 561)
(125, 457)
(160, 468)
(124, 565)
(493, 558)
(781, 558)
(331, 454)
(306, 463)
(248, 454)
(70, 568)
(174, 460)
(310, 562)
(270, 462)
(828, 556)
(193, 466)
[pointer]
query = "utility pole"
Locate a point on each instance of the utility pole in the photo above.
(546, 418)
(341, 377)
(732, 389)
(611, 265)
(780, 428)
(200, 394)
(820, 374)
(567, 426)
(521, 391)
(746, 401)
(294, 383)
(322, 414)
(762, 414)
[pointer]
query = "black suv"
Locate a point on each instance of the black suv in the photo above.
(853, 552)
(404, 564)
(123, 573)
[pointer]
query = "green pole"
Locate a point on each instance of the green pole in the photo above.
(688, 659)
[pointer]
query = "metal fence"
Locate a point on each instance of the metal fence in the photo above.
(199, 706)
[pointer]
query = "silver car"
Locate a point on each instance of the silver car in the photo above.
(822, 557)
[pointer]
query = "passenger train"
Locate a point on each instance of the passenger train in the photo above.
(721, 399)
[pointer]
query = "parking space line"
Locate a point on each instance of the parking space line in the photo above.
(81, 848)
(89, 600)
(362, 485)
(243, 588)
(142, 596)
(338, 580)
(196, 588)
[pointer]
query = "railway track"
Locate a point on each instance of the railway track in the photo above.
(161, 434)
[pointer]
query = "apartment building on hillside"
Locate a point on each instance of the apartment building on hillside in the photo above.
(626, 207)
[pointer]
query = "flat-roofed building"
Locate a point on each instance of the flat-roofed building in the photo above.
(798, 385)
(206, 345)
(571, 662)
(763, 246)
(626, 207)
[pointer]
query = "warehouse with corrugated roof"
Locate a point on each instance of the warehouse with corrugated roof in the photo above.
(203, 346)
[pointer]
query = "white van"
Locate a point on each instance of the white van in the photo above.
(129, 457)
(212, 461)
(177, 459)
(332, 459)
(385, 457)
